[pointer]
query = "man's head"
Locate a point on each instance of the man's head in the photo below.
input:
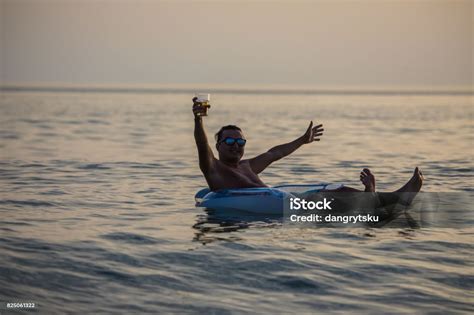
(229, 143)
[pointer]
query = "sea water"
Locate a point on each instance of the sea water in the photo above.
(98, 216)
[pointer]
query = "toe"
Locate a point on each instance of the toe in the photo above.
(421, 174)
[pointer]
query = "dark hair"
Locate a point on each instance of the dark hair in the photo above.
(228, 127)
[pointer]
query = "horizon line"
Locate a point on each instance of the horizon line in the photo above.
(237, 89)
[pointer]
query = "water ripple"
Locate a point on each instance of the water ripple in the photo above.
(130, 238)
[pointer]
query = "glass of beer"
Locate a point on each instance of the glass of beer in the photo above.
(203, 100)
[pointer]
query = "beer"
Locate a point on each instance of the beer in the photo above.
(204, 101)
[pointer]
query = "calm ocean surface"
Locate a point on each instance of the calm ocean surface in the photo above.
(97, 206)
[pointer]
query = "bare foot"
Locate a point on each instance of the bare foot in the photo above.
(368, 179)
(411, 188)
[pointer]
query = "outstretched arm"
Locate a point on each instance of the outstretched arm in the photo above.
(206, 157)
(259, 163)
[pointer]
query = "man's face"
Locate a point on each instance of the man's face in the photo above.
(230, 153)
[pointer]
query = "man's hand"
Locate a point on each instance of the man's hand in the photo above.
(197, 108)
(260, 162)
(313, 133)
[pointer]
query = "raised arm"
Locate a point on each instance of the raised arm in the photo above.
(260, 162)
(206, 157)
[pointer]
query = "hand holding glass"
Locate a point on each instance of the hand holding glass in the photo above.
(203, 100)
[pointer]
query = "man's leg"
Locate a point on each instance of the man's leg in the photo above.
(367, 179)
(404, 195)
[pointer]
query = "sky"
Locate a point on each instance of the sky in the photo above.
(363, 43)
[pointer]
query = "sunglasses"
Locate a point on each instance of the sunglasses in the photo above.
(230, 141)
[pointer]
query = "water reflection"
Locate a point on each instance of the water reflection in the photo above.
(212, 225)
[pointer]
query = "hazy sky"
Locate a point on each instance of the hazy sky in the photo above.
(319, 43)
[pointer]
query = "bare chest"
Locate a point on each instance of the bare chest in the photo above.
(241, 176)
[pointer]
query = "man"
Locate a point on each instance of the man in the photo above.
(230, 171)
